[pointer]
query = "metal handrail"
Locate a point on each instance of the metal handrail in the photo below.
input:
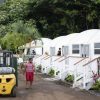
(45, 56)
(81, 60)
(91, 61)
(69, 57)
(58, 58)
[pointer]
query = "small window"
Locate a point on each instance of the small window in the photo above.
(97, 48)
(75, 49)
(97, 45)
(97, 51)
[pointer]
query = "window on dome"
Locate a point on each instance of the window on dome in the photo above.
(97, 48)
(75, 49)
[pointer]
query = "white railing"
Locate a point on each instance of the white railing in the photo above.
(45, 62)
(91, 72)
(68, 66)
(79, 72)
(85, 80)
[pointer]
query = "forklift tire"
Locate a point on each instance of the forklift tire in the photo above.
(14, 91)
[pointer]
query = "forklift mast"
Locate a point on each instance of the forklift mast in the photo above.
(8, 60)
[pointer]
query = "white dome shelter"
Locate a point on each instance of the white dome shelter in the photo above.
(53, 48)
(89, 48)
(40, 46)
(56, 44)
(62, 42)
(68, 61)
(80, 45)
(66, 43)
(46, 61)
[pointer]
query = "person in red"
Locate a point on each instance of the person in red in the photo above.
(29, 70)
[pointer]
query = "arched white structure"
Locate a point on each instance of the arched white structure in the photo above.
(42, 53)
(40, 46)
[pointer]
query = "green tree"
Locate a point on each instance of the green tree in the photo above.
(51, 18)
(19, 33)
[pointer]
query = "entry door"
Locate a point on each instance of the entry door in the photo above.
(85, 50)
(65, 50)
(52, 51)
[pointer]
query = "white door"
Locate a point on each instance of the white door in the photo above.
(52, 51)
(85, 50)
(65, 50)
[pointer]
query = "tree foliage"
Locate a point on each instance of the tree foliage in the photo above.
(48, 18)
(18, 34)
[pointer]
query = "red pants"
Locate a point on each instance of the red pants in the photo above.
(29, 76)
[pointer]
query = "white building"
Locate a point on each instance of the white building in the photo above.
(80, 56)
(79, 53)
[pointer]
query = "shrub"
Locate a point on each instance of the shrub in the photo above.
(69, 78)
(51, 72)
(96, 86)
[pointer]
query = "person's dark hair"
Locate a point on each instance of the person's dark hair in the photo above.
(30, 59)
(59, 48)
(59, 52)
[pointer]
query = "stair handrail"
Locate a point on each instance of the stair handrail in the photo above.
(58, 58)
(95, 75)
(69, 57)
(91, 61)
(49, 57)
(81, 60)
(45, 56)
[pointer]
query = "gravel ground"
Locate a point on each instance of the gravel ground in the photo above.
(47, 90)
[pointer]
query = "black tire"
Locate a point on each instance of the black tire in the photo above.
(14, 91)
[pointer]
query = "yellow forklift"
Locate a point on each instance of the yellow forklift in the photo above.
(8, 74)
